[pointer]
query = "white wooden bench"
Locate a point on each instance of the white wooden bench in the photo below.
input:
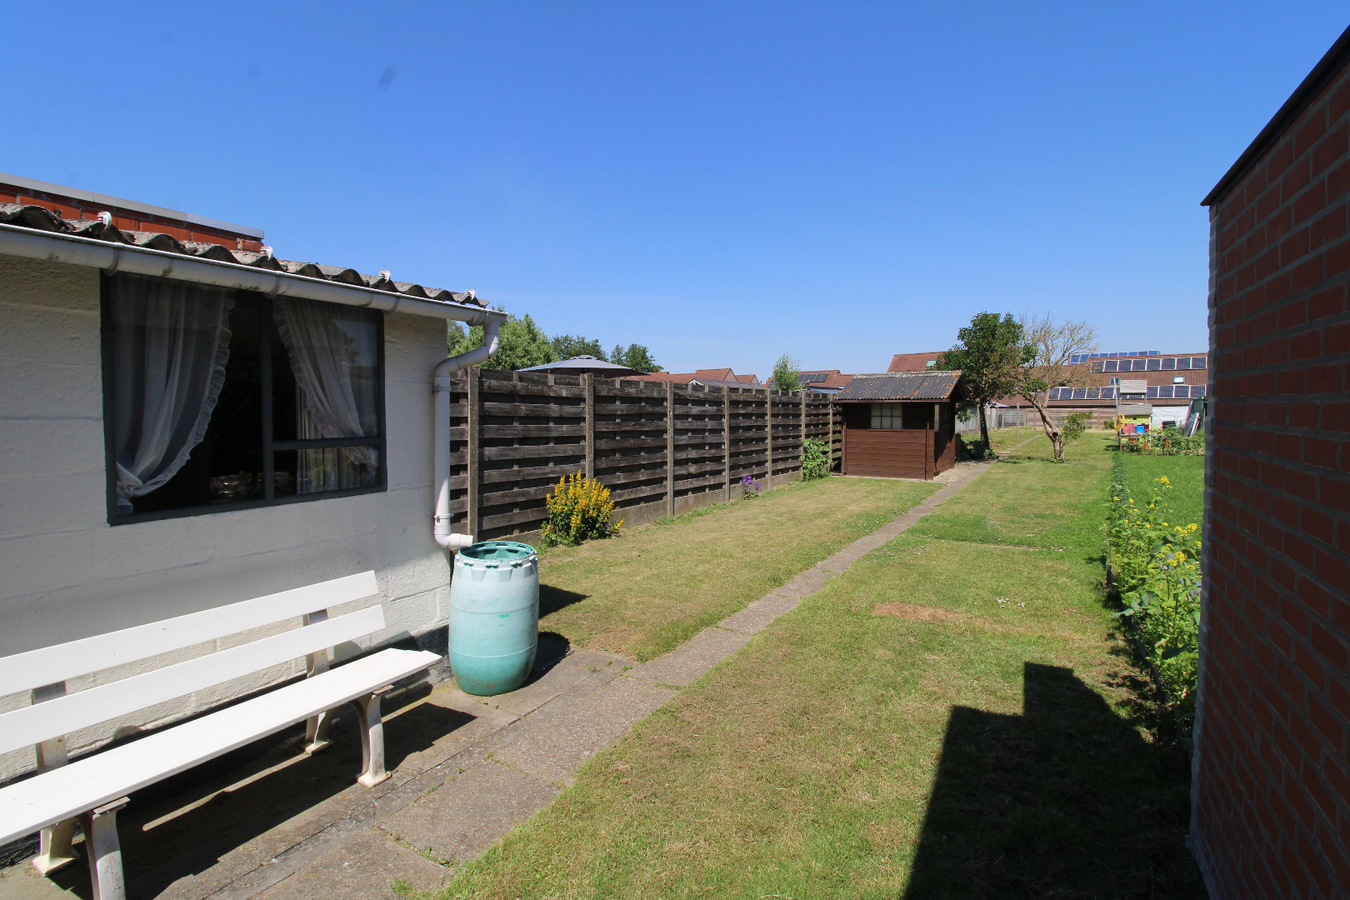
(92, 789)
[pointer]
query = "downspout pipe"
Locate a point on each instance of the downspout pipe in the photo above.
(440, 385)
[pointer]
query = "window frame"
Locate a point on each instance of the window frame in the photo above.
(270, 447)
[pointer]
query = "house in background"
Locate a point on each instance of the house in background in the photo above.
(914, 362)
(190, 422)
(1270, 801)
(900, 424)
(823, 381)
(702, 376)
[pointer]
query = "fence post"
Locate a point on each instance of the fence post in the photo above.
(800, 462)
(588, 382)
(768, 427)
(474, 469)
(829, 437)
(726, 444)
(670, 448)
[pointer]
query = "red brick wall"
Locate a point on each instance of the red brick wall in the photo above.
(1271, 811)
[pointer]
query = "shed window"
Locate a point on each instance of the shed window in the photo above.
(887, 415)
(217, 399)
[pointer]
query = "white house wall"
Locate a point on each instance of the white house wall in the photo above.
(68, 574)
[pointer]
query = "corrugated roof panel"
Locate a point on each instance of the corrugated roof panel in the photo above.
(40, 218)
(901, 386)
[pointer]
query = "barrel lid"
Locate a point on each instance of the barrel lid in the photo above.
(492, 554)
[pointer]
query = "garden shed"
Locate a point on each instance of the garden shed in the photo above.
(900, 424)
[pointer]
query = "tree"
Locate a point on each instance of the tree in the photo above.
(566, 346)
(785, 374)
(991, 356)
(523, 343)
(1054, 345)
(634, 356)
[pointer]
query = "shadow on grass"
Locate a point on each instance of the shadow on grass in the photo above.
(1067, 799)
(552, 599)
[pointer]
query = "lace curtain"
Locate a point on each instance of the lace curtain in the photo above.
(170, 343)
(335, 360)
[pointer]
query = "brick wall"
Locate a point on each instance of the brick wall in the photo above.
(1271, 795)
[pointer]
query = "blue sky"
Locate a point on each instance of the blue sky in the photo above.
(721, 182)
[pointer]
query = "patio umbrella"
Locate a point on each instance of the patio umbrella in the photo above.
(582, 365)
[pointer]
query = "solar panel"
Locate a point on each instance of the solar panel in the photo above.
(813, 378)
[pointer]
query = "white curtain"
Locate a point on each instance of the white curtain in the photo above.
(335, 359)
(170, 343)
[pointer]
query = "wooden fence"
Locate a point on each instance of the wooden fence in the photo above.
(660, 447)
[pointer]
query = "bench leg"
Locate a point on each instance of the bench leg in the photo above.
(316, 732)
(104, 851)
(372, 738)
(54, 849)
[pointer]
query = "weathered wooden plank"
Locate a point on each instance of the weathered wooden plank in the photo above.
(527, 473)
(494, 430)
(497, 390)
(604, 426)
(655, 491)
(514, 519)
(629, 444)
(545, 451)
(502, 497)
(543, 410)
(693, 484)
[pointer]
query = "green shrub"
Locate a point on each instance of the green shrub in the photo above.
(578, 509)
(1155, 570)
(815, 459)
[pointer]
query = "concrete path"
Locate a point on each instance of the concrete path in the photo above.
(466, 771)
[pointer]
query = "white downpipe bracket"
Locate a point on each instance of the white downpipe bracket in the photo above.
(440, 385)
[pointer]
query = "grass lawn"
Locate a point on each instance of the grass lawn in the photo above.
(949, 718)
(652, 588)
(1186, 501)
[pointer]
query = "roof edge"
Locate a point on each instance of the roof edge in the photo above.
(88, 252)
(47, 187)
(1303, 95)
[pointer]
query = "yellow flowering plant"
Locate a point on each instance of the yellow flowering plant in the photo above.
(1155, 572)
(578, 509)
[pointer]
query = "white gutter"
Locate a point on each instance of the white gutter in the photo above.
(81, 251)
(440, 384)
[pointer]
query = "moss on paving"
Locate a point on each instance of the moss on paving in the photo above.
(902, 733)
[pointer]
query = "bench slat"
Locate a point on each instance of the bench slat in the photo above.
(31, 724)
(48, 665)
(85, 784)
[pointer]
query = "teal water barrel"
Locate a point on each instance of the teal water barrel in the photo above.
(494, 616)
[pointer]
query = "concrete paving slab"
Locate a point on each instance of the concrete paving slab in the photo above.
(362, 868)
(688, 662)
(467, 815)
(805, 584)
(535, 694)
(757, 616)
(553, 751)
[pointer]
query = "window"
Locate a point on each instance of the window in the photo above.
(217, 399)
(888, 415)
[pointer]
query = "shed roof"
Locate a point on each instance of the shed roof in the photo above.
(901, 386)
(39, 218)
